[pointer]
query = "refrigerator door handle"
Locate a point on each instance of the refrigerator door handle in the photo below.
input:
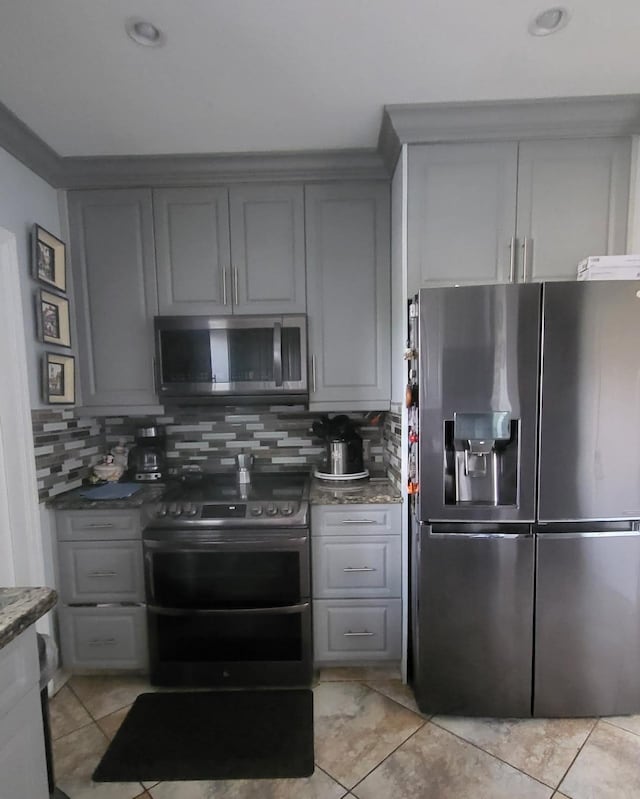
(512, 259)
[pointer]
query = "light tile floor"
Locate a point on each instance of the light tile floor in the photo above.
(371, 742)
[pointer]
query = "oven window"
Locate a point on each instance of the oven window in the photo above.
(206, 579)
(231, 638)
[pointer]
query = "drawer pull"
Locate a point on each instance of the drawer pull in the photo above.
(358, 521)
(102, 642)
(103, 574)
(360, 569)
(100, 525)
(363, 634)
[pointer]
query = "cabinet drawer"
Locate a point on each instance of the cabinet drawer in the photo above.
(109, 571)
(98, 525)
(19, 668)
(357, 630)
(350, 519)
(103, 638)
(356, 566)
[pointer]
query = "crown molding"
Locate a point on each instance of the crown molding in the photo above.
(22, 143)
(201, 170)
(558, 117)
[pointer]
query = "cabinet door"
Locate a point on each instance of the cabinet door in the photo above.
(192, 250)
(356, 630)
(461, 213)
(348, 259)
(356, 566)
(572, 202)
(267, 247)
(22, 750)
(115, 294)
(108, 571)
(110, 637)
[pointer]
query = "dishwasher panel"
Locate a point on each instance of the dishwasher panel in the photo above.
(587, 635)
(473, 619)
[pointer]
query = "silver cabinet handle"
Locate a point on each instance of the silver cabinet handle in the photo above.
(100, 525)
(235, 285)
(512, 259)
(102, 642)
(363, 634)
(526, 255)
(358, 521)
(313, 373)
(360, 569)
(103, 574)
(224, 286)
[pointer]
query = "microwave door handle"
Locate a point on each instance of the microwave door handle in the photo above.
(277, 353)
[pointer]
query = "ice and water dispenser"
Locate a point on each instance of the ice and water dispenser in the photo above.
(481, 459)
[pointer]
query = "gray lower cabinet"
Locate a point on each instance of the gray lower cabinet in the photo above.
(498, 212)
(22, 749)
(348, 295)
(112, 251)
(356, 583)
(102, 614)
(237, 250)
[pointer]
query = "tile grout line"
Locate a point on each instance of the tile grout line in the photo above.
(417, 713)
(584, 743)
(495, 757)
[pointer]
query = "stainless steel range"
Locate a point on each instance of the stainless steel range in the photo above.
(227, 573)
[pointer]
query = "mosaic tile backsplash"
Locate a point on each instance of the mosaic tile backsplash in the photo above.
(278, 436)
(67, 446)
(392, 435)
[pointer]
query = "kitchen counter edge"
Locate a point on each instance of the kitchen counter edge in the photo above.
(22, 607)
(73, 500)
(377, 491)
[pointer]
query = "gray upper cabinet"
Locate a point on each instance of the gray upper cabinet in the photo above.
(461, 213)
(497, 212)
(223, 251)
(192, 250)
(348, 268)
(267, 248)
(572, 203)
(111, 236)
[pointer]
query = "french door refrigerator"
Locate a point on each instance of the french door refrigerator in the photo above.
(525, 542)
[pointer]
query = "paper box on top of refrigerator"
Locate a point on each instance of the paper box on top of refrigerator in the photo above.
(610, 267)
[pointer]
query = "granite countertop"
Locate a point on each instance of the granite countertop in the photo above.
(20, 608)
(377, 490)
(73, 500)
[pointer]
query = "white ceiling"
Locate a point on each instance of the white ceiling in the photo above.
(277, 75)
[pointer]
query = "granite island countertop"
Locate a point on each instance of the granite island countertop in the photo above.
(377, 490)
(20, 608)
(73, 500)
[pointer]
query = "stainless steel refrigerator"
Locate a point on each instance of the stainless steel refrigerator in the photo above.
(525, 576)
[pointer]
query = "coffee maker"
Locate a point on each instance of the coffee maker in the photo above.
(147, 458)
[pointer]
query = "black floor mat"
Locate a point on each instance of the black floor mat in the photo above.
(213, 735)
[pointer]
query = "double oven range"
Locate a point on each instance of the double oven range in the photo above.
(227, 573)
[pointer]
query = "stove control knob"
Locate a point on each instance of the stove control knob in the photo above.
(256, 510)
(286, 510)
(174, 509)
(192, 510)
(161, 511)
(272, 510)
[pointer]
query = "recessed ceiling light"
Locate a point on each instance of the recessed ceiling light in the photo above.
(549, 21)
(143, 32)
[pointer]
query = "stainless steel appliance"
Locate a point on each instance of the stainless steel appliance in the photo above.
(147, 460)
(239, 358)
(344, 449)
(526, 536)
(228, 585)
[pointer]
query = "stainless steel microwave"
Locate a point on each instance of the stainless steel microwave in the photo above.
(232, 358)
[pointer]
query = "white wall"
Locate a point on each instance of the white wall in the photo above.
(24, 200)
(633, 235)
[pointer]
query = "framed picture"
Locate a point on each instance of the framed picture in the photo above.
(48, 259)
(58, 379)
(52, 315)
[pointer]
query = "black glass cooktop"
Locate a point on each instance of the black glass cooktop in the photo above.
(226, 489)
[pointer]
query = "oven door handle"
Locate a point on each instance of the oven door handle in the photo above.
(282, 609)
(256, 544)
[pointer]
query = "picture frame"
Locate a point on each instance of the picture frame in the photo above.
(48, 259)
(52, 318)
(58, 379)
